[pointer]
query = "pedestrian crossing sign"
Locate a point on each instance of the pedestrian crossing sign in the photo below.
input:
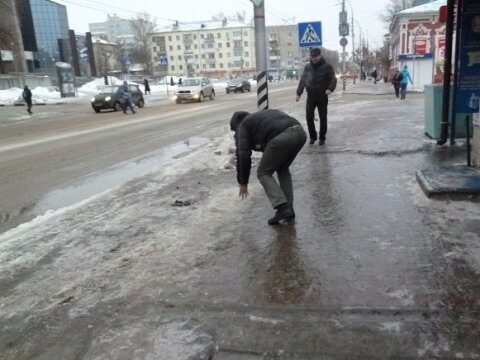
(310, 34)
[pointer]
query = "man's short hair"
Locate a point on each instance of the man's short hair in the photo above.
(237, 118)
(315, 52)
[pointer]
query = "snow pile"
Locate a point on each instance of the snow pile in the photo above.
(7, 97)
(40, 95)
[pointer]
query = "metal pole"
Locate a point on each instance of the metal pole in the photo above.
(353, 47)
(261, 53)
(344, 66)
(447, 72)
(453, 110)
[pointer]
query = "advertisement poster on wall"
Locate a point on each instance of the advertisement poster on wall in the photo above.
(468, 86)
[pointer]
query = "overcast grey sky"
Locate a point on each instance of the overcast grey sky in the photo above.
(83, 12)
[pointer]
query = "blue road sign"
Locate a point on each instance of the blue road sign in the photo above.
(310, 34)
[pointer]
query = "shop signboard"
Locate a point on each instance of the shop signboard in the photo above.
(468, 84)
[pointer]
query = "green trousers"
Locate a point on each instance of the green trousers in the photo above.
(277, 157)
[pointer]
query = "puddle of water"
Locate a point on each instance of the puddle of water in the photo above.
(116, 175)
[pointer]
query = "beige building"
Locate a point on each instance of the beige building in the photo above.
(216, 49)
(284, 52)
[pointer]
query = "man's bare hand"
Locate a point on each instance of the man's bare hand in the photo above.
(297, 98)
(243, 191)
(328, 92)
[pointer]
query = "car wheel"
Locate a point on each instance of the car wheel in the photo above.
(97, 110)
(178, 101)
(141, 103)
(117, 106)
(200, 98)
(228, 92)
(212, 95)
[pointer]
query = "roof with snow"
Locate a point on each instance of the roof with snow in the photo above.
(202, 25)
(428, 8)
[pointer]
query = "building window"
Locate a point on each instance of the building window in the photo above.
(204, 66)
(229, 54)
(203, 56)
(219, 35)
(210, 36)
(245, 33)
(289, 44)
(289, 35)
(221, 65)
(228, 44)
(246, 54)
(169, 38)
(171, 48)
(179, 47)
(196, 56)
(219, 45)
(172, 67)
(171, 57)
(247, 64)
(211, 56)
(180, 57)
(198, 66)
(195, 46)
(237, 53)
(245, 43)
(155, 48)
(237, 33)
(220, 55)
(201, 36)
(178, 37)
(180, 67)
(188, 47)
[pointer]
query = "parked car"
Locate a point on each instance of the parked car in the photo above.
(238, 84)
(111, 98)
(194, 89)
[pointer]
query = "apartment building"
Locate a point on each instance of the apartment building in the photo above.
(217, 49)
(284, 52)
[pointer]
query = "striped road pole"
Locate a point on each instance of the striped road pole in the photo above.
(262, 91)
(261, 53)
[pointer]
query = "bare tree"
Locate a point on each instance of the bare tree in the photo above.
(142, 26)
(393, 7)
(5, 28)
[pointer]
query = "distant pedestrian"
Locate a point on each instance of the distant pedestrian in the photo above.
(320, 81)
(396, 77)
(405, 78)
(27, 97)
(374, 76)
(147, 86)
(126, 97)
(280, 137)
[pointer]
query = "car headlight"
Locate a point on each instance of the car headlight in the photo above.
(108, 98)
(92, 99)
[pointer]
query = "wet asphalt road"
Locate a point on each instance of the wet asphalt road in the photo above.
(61, 144)
(371, 269)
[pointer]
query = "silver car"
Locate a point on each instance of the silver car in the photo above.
(194, 89)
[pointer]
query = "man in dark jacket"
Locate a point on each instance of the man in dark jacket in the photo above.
(280, 137)
(27, 97)
(320, 81)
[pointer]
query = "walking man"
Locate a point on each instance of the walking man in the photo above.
(405, 78)
(280, 137)
(27, 97)
(320, 81)
(127, 98)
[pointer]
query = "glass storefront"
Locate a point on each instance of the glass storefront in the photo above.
(51, 24)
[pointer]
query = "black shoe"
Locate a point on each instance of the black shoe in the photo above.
(284, 212)
(312, 141)
(321, 142)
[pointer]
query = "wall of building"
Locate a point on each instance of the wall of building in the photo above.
(216, 52)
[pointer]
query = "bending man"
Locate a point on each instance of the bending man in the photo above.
(280, 137)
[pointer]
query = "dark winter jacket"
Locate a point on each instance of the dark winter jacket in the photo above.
(317, 78)
(27, 95)
(254, 133)
(125, 92)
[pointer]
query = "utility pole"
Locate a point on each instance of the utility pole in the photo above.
(343, 31)
(261, 53)
(353, 47)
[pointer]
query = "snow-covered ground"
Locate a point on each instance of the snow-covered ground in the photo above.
(51, 95)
